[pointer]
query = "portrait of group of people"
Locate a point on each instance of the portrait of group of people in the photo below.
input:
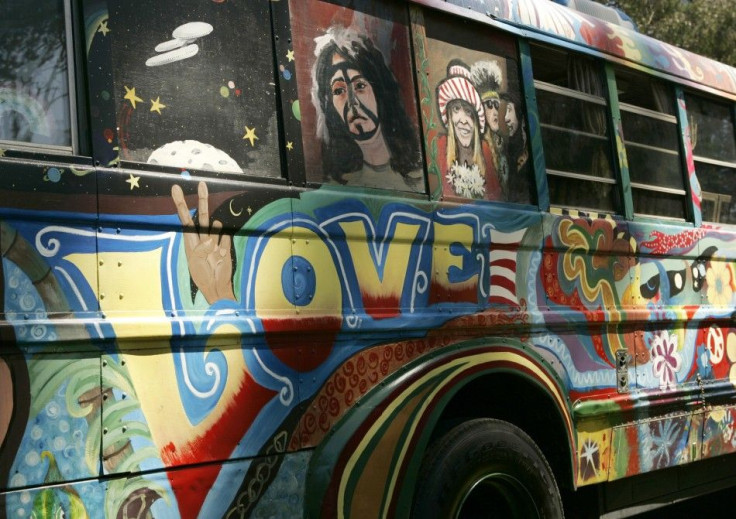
(483, 151)
(361, 126)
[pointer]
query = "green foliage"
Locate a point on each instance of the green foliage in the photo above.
(701, 26)
(112, 418)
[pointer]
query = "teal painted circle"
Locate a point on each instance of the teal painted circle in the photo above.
(53, 174)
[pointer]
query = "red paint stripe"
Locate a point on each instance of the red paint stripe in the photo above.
(217, 443)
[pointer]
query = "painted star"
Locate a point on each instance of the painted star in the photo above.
(250, 135)
(130, 96)
(103, 28)
(133, 181)
(157, 105)
(250, 210)
(289, 145)
(2, 153)
(290, 55)
(589, 449)
(590, 459)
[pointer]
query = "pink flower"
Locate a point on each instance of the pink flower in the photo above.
(666, 360)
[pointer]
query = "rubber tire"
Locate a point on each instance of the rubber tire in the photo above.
(485, 448)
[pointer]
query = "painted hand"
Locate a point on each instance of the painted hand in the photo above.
(208, 251)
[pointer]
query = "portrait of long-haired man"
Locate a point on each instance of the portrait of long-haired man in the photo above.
(356, 127)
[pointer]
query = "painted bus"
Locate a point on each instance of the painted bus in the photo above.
(346, 258)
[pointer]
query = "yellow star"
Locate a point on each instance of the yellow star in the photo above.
(103, 28)
(157, 105)
(250, 135)
(250, 211)
(2, 153)
(133, 181)
(289, 145)
(290, 55)
(130, 96)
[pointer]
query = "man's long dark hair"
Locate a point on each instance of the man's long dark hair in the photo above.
(340, 153)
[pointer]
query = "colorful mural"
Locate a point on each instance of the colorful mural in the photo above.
(179, 340)
(186, 94)
(477, 148)
(255, 372)
(356, 93)
(616, 40)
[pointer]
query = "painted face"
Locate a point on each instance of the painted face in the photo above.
(491, 108)
(461, 116)
(511, 118)
(354, 100)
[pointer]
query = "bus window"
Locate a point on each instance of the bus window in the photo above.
(357, 96)
(652, 145)
(34, 83)
(188, 93)
(476, 134)
(573, 117)
(714, 151)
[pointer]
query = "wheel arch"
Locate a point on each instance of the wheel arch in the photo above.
(534, 399)
(423, 399)
(525, 404)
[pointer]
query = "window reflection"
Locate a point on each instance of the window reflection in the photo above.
(652, 145)
(714, 150)
(572, 105)
(34, 89)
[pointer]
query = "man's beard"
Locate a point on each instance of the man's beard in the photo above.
(351, 118)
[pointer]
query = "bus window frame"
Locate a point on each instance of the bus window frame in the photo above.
(71, 76)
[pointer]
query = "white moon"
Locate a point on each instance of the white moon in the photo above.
(195, 155)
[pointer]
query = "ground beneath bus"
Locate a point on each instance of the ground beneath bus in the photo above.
(718, 505)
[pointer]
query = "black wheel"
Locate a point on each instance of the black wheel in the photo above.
(486, 468)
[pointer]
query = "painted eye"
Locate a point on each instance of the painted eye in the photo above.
(360, 86)
(650, 288)
(677, 281)
(698, 268)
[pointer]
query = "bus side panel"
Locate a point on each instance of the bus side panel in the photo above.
(146, 495)
(80, 499)
(196, 379)
(47, 213)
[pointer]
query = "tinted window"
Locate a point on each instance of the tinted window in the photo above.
(572, 104)
(34, 86)
(714, 150)
(652, 142)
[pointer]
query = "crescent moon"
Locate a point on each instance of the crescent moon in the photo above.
(232, 212)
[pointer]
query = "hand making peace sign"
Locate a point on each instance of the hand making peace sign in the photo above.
(208, 251)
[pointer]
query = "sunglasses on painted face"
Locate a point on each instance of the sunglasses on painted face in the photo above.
(492, 103)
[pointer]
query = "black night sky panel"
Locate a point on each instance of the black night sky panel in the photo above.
(234, 59)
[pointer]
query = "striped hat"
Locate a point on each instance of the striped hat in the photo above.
(457, 85)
